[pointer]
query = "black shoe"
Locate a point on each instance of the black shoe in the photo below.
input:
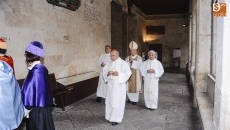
(128, 101)
(114, 123)
(152, 109)
(134, 103)
(98, 99)
(53, 105)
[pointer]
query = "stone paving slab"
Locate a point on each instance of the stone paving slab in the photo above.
(64, 125)
(175, 126)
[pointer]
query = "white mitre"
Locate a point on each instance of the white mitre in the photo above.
(133, 45)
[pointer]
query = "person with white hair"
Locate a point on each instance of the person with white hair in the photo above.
(151, 70)
(134, 83)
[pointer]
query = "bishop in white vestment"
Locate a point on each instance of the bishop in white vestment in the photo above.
(116, 73)
(151, 70)
(134, 84)
(102, 86)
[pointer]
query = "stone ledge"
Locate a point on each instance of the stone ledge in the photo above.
(192, 80)
(212, 77)
(205, 109)
(211, 82)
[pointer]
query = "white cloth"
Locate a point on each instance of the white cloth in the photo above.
(115, 108)
(101, 89)
(115, 66)
(136, 64)
(26, 112)
(34, 63)
(133, 97)
(151, 82)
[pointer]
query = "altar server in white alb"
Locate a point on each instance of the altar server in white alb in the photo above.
(101, 89)
(134, 84)
(116, 73)
(151, 70)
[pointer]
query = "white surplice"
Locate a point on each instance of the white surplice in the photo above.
(116, 91)
(136, 64)
(151, 82)
(101, 89)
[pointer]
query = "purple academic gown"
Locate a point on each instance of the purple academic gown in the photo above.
(37, 95)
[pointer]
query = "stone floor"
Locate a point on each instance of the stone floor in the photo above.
(175, 111)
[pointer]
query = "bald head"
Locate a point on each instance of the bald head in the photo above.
(114, 51)
(114, 54)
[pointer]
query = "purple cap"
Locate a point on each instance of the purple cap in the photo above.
(35, 48)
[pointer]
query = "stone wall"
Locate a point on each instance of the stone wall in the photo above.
(133, 28)
(71, 39)
(222, 90)
(116, 27)
(176, 36)
(136, 30)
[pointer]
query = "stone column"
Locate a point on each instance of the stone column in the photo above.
(222, 91)
(203, 44)
(190, 35)
(193, 39)
(193, 45)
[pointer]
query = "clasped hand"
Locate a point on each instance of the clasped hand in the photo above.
(102, 64)
(151, 71)
(113, 73)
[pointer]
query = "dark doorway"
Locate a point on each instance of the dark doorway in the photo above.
(157, 48)
(116, 27)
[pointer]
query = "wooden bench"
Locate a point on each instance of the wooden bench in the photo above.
(56, 91)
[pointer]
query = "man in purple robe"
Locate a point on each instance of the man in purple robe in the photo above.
(36, 92)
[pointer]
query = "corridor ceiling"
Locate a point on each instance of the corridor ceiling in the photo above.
(160, 7)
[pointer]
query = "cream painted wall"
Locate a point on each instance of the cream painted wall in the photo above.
(71, 40)
(176, 36)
